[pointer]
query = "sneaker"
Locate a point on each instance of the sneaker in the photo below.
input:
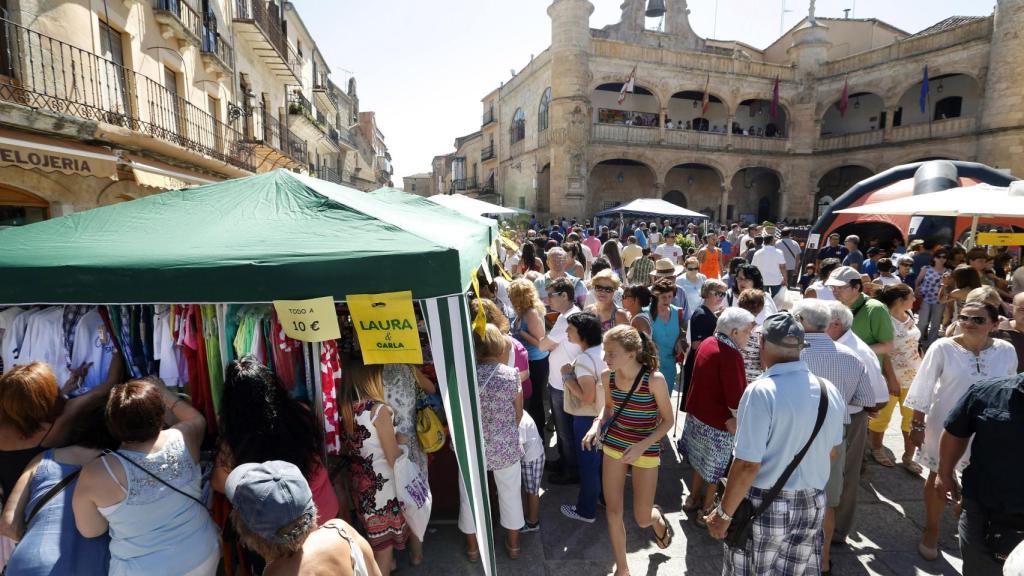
(530, 527)
(569, 511)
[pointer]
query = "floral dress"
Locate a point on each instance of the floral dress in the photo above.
(372, 480)
(906, 358)
(401, 393)
(498, 386)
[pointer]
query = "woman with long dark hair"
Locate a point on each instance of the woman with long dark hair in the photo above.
(260, 421)
(610, 250)
(749, 277)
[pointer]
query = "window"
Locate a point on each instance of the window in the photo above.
(517, 131)
(413, 188)
(114, 93)
(542, 114)
(949, 107)
(522, 202)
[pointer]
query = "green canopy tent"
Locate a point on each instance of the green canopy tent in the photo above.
(274, 236)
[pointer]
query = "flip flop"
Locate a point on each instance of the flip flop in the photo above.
(910, 466)
(882, 457)
(473, 555)
(665, 540)
(513, 553)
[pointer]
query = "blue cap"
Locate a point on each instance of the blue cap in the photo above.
(270, 496)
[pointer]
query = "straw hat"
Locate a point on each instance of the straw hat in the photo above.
(664, 268)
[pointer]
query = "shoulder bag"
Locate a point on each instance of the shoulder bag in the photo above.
(636, 384)
(739, 531)
(159, 479)
(681, 345)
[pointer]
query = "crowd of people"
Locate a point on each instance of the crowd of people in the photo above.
(751, 347)
(597, 344)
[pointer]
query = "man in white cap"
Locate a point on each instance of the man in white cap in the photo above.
(275, 517)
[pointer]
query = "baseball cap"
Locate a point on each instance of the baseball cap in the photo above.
(842, 276)
(269, 496)
(784, 330)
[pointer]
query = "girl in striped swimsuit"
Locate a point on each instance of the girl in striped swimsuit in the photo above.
(637, 415)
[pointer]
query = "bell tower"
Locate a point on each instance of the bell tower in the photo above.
(570, 106)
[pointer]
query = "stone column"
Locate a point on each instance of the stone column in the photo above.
(659, 189)
(570, 111)
(723, 211)
(661, 128)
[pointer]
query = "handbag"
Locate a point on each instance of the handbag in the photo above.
(1003, 533)
(681, 345)
(641, 376)
(739, 531)
(429, 430)
(573, 404)
(413, 493)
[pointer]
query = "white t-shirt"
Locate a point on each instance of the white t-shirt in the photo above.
(44, 342)
(93, 343)
(768, 260)
(654, 238)
(564, 353)
(14, 338)
(590, 363)
(529, 438)
(884, 281)
(163, 346)
(821, 291)
(7, 317)
(672, 252)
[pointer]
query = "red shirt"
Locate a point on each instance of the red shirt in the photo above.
(717, 383)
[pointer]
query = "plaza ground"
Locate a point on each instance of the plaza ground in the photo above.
(890, 516)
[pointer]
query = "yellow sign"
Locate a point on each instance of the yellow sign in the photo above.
(999, 239)
(386, 327)
(311, 320)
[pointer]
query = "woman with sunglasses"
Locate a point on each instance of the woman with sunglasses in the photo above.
(637, 300)
(928, 288)
(949, 368)
(604, 285)
(689, 285)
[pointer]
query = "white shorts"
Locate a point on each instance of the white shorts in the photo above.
(510, 500)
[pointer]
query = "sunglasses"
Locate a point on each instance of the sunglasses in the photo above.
(605, 289)
(940, 257)
(717, 293)
(976, 320)
(692, 269)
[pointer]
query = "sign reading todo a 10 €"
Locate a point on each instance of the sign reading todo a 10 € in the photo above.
(386, 327)
(311, 320)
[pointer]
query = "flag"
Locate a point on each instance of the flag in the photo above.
(628, 86)
(773, 112)
(923, 101)
(707, 97)
(844, 100)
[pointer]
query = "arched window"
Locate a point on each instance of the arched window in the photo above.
(542, 113)
(518, 129)
(948, 107)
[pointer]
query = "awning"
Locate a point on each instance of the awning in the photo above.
(155, 175)
(52, 155)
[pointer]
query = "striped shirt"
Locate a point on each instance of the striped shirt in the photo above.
(638, 419)
(841, 366)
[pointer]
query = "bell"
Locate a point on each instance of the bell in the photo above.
(655, 8)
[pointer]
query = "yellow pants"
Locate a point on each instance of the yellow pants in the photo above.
(881, 422)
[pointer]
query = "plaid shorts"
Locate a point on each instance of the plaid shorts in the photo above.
(786, 540)
(533, 472)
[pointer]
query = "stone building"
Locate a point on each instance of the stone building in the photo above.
(560, 142)
(421, 184)
(107, 102)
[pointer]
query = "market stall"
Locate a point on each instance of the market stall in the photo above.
(271, 237)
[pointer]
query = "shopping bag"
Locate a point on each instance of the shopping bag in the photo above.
(413, 493)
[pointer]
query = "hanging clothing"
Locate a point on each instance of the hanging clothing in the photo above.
(214, 367)
(163, 346)
(330, 376)
(92, 343)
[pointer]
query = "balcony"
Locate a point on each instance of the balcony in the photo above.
(854, 140)
(459, 185)
(324, 98)
(622, 134)
(269, 138)
(178, 20)
(218, 56)
(488, 117)
(44, 73)
(487, 153)
(260, 26)
(472, 185)
(948, 128)
(329, 174)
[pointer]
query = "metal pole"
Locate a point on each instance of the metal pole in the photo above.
(973, 240)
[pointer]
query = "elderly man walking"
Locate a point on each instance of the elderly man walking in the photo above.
(776, 440)
(841, 366)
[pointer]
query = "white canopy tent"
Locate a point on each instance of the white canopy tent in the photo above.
(472, 206)
(975, 202)
(652, 207)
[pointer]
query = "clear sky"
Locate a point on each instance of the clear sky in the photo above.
(423, 66)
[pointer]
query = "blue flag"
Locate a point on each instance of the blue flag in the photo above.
(923, 101)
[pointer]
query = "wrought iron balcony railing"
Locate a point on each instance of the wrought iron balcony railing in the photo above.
(44, 73)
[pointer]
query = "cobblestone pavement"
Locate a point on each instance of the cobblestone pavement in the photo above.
(889, 519)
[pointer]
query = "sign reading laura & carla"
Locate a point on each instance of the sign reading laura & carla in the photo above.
(386, 327)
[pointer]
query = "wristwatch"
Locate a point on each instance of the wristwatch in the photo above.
(721, 514)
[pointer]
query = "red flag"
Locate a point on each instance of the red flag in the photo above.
(628, 86)
(844, 100)
(774, 110)
(707, 97)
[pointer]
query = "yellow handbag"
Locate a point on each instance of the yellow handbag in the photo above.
(429, 430)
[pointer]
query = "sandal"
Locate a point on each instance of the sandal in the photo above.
(473, 555)
(700, 518)
(882, 457)
(910, 466)
(690, 504)
(927, 553)
(665, 540)
(513, 553)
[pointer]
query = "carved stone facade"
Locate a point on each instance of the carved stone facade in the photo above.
(749, 159)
